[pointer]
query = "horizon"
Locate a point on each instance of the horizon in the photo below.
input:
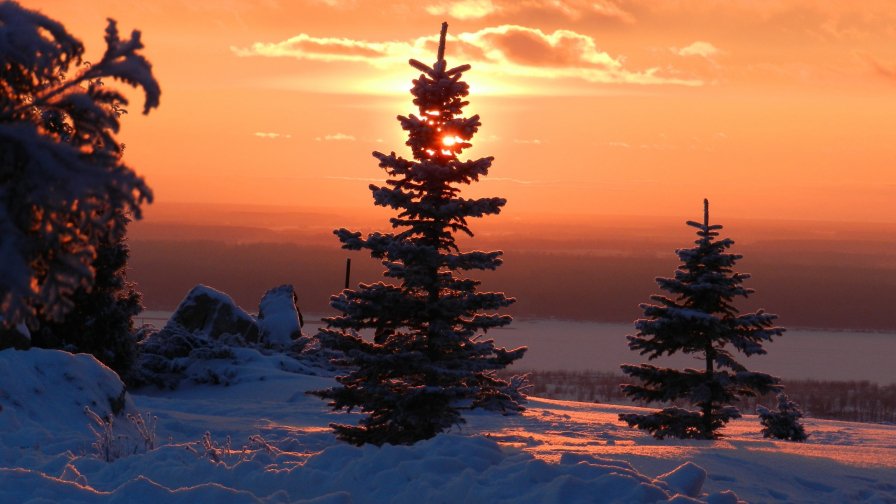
(835, 276)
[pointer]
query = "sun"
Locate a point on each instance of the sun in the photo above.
(451, 141)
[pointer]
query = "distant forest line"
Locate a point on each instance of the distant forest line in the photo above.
(595, 281)
(854, 401)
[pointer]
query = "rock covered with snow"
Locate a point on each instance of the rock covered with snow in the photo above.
(214, 315)
(279, 319)
(205, 338)
(205, 326)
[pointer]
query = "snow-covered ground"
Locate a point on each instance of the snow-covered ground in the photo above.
(262, 439)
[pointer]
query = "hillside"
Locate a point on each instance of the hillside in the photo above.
(261, 439)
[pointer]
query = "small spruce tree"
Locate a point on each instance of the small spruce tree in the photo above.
(426, 360)
(783, 423)
(700, 319)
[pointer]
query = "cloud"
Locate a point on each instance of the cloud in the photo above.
(262, 134)
(306, 47)
(531, 47)
(464, 9)
(698, 48)
(506, 50)
(572, 9)
(336, 137)
(534, 141)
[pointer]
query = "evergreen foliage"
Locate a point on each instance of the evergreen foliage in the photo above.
(701, 319)
(62, 179)
(102, 319)
(426, 360)
(783, 423)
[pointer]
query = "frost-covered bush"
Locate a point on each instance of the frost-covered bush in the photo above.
(784, 423)
(173, 355)
(62, 178)
(699, 318)
(427, 359)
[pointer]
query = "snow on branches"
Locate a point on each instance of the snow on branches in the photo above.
(783, 423)
(62, 180)
(699, 318)
(426, 359)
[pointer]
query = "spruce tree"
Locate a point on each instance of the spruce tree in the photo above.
(426, 360)
(700, 319)
(101, 321)
(783, 423)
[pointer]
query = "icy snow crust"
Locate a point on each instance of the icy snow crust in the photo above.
(269, 442)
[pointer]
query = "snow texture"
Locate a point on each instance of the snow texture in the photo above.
(43, 393)
(263, 440)
(686, 479)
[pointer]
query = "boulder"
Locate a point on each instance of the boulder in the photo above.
(205, 326)
(279, 318)
(206, 312)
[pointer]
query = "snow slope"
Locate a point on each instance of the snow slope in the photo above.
(262, 439)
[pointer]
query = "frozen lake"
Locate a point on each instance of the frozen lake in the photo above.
(581, 346)
(815, 354)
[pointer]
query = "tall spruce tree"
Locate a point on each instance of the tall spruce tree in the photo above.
(426, 360)
(701, 319)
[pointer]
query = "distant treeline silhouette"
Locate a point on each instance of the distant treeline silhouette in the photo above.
(854, 401)
(850, 295)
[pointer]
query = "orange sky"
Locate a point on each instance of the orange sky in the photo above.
(772, 109)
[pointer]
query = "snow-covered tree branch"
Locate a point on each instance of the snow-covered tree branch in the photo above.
(62, 179)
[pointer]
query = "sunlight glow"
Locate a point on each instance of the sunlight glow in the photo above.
(450, 141)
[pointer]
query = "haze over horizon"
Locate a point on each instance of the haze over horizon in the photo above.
(820, 275)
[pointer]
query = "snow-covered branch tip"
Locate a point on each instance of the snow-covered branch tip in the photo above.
(122, 62)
